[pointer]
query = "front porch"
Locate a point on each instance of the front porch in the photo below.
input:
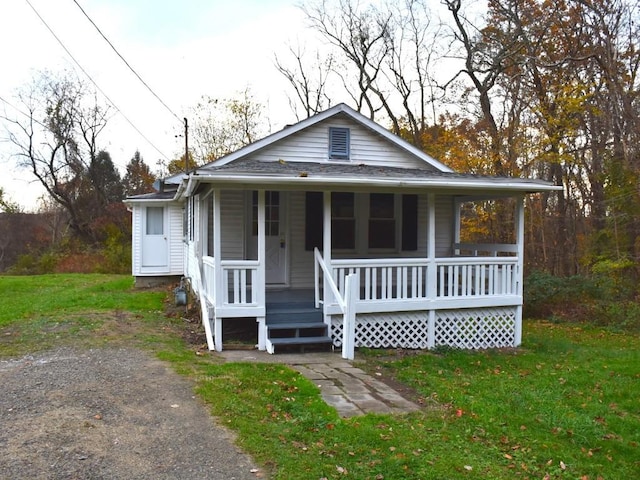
(471, 299)
(462, 302)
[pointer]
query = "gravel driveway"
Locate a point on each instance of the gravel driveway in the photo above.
(108, 414)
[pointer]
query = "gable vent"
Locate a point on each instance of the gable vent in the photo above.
(339, 143)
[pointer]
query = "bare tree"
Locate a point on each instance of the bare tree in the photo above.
(381, 57)
(361, 37)
(309, 81)
(57, 140)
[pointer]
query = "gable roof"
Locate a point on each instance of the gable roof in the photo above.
(340, 109)
(241, 168)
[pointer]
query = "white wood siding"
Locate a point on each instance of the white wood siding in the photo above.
(312, 145)
(444, 225)
(136, 239)
(232, 217)
(300, 260)
(176, 240)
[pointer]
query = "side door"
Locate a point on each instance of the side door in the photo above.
(155, 243)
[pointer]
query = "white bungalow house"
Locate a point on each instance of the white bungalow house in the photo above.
(334, 230)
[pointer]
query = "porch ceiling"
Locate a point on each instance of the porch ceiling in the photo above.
(344, 176)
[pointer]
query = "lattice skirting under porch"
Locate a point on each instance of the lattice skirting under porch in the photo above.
(464, 328)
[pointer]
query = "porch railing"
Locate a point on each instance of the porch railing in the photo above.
(346, 300)
(385, 279)
(466, 277)
(405, 280)
(238, 277)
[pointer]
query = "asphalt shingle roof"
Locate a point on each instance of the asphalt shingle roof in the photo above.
(251, 167)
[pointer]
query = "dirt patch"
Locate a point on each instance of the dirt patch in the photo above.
(109, 413)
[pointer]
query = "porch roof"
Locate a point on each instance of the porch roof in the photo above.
(252, 173)
(152, 197)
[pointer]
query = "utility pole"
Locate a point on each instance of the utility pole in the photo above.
(186, 146)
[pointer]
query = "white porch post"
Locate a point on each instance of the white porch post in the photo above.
(352, 288)
(326, 254)
(520, 268)
(456, 223)
(432, 273)
(218, 281)
(259, 286)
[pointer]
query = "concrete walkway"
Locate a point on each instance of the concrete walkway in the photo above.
(348, 389)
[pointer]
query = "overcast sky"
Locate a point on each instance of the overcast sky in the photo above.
(181, 49)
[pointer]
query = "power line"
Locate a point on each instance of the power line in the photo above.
(93, 81)
(125, 61)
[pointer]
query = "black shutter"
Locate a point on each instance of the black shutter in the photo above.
(409, 223)
(313, 228)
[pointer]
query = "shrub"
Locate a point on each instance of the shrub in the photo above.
(607, 298)
(546, 294)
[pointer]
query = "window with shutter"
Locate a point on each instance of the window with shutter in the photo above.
(338, 143)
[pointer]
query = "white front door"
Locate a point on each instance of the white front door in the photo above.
(275, 235)
(155, 248)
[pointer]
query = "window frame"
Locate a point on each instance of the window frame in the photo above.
(395, 219)
(406, 228)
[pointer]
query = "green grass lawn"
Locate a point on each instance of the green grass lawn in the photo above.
(563, 406)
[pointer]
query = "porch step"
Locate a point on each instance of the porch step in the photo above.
(300, 340)
(297, 326)
(293, 312)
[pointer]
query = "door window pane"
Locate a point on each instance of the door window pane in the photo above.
(155, 220)
(271, 213)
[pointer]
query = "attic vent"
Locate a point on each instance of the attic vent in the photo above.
(339, 143)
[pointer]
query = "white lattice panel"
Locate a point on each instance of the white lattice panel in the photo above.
(476, 328)
(466, 328)
(392, 330)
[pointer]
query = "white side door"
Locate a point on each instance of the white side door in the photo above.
(155, 244)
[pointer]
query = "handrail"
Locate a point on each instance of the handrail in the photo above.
(374, 262)
(487, 247)
(201, 291)
(329, 277)
(240, 263)
(475, 260)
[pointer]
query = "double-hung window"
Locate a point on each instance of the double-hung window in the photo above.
(382, 221)
(343, 221)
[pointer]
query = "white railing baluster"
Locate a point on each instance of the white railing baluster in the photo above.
(243, 286)
(397, 279)
(367, 283)
(404, 282)
(383, 289)
(374, 284)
